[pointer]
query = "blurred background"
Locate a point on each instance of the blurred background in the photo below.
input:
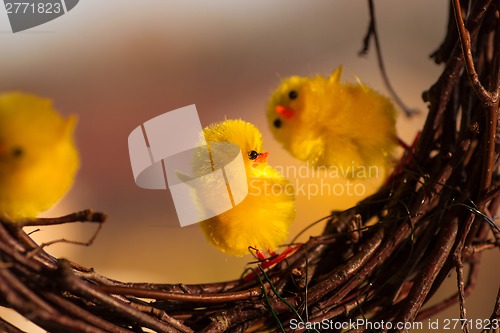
(118, 63)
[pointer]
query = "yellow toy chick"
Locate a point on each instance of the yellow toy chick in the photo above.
(328, 123)
(263, 218)
(38, 158)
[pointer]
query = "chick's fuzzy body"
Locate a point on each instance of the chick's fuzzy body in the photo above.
(333, 123)
(263, 218)
(38, 158)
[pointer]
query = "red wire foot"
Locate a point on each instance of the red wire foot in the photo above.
(272, 260)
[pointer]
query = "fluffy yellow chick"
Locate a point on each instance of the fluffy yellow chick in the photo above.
(328, 123)
(263, 218)
(38, 158)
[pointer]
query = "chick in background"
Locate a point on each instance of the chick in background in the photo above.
(262, 220)
(324, 122)
(38, 157)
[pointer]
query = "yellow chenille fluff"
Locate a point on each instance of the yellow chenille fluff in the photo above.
(328, 123)
(263, 218)
(38, 158)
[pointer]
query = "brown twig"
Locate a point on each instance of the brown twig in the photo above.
(372, 34)
(465, 42)
(82, 216)
(461, 291)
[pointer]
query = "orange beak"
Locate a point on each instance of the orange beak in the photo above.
(260, 159)
(287, 113)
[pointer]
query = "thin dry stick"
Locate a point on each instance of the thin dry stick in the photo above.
(461, 292)
(372, 34)
(82, 216)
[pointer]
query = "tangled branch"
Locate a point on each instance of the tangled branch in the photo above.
(380, 260)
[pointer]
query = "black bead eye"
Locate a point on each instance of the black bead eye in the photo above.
(17, 152)
(253, 155)
(277, 123)
(293, 94)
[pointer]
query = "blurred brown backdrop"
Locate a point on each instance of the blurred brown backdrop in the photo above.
(118, 63)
